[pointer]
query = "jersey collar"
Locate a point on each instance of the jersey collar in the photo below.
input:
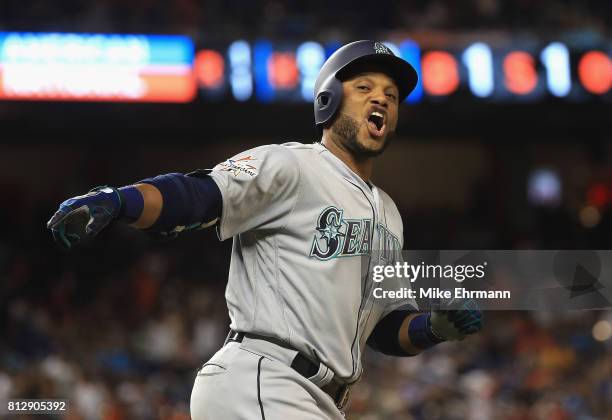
(344, 169)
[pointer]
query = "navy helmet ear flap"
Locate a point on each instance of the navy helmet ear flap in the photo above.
(327, 100)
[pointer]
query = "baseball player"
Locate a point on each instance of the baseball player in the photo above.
(305, 220)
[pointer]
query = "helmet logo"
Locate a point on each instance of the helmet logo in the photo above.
(381, 48)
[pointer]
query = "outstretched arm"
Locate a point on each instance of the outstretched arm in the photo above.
(254, 189)
(161, 204)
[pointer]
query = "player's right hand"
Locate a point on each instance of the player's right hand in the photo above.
(84, 215)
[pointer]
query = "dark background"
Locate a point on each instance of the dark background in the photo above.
(120, 325)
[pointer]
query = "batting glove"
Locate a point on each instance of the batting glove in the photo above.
(456, 324)
(84, 215)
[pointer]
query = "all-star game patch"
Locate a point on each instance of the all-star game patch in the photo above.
(238, 166)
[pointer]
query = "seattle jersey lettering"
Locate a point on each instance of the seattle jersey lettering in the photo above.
(339, 237)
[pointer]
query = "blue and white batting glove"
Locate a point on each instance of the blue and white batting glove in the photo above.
(458, 323)
(84, 215)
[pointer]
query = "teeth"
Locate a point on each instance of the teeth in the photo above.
(377, 118)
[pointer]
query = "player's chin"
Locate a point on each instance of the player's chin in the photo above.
(372, 146)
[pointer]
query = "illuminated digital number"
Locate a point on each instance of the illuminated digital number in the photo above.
(440, 73)
(520, 75)
(282, 70)
(209, 68)
(479, 61)
(241, 80)
(557, 62)
(310, 57)
(595, 72)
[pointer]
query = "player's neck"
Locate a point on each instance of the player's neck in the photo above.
(362, 166)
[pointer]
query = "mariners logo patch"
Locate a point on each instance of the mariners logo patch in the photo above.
(238, 166)
(381, 48)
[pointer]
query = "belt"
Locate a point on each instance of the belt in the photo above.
(337, 390)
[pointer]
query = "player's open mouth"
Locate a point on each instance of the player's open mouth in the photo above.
(376, 124)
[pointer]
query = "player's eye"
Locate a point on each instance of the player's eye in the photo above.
(363, 88)
(392, 96)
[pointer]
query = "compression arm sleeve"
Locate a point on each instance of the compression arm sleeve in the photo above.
(385, 337)
(187, 199)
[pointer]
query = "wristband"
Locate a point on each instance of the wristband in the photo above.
(420, 333)
(132, 204)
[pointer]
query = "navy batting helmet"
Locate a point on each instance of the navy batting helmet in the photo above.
(328, 87)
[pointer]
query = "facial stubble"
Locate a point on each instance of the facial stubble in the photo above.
(347, 128)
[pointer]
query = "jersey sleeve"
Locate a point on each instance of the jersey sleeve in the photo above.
(259, 189)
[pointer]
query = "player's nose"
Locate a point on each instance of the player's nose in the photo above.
(379, 98)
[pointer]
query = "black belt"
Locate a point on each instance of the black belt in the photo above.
(305, 367)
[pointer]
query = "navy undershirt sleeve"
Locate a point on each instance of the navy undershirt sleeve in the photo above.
(187, 199)
(385, 337)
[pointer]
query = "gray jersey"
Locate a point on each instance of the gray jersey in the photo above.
(304, 228)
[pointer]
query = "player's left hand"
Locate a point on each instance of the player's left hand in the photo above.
(456, 324)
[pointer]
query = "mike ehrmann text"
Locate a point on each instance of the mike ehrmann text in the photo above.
(437, 293)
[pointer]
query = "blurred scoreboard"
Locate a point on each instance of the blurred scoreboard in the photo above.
(149, 68)
(95, 67)
(265, 72)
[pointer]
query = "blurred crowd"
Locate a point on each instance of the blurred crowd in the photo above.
(238, 18)
(120, 326)
(119, 334)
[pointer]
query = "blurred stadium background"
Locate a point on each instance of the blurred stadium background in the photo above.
(506, 144)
